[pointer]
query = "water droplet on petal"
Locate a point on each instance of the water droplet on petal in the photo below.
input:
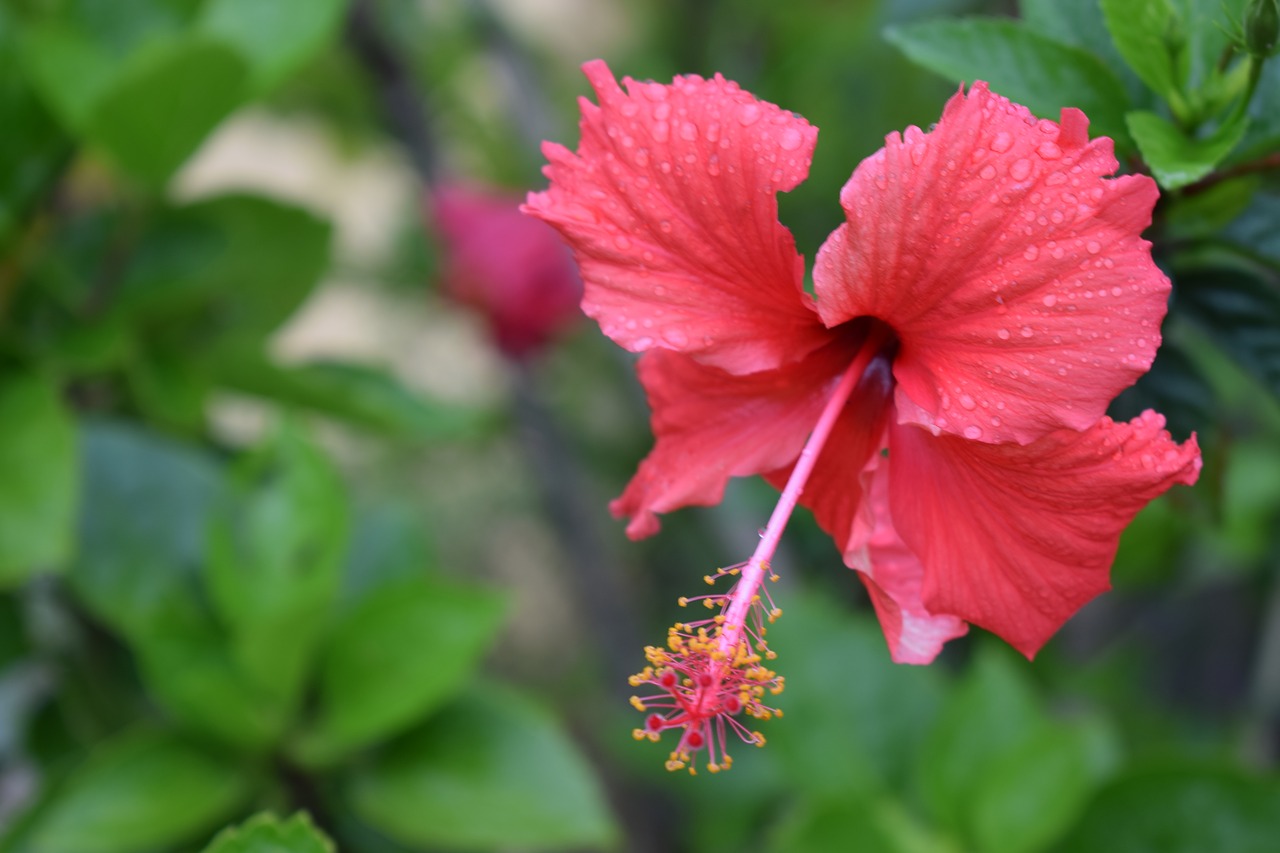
(1003, 334)
(661, 130)
(1049, 150)
(1027, 331)
(1031, 253)
(967, 402)
(973, 432)
(1094, 247)
(1020, 169)
(790, 139)
(1049, 300)
(688, 132)
(1003, 142)
(676, 338)
(988, 172)
(748, 114)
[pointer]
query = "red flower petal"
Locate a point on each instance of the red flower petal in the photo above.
(1010, 268)
(711, 425)
(670, 206)
(1016, 538)
(894, 578)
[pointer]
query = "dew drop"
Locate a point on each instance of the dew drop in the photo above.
(1049, 300)
(1020, 169)
(967, 402)
(622, 242)
(917, 154)
(688, 132)
(988, 172)
(1003, 334)
(748, 114)
(1094, 247)
(973, 431)
(1049, 151)
(790, 139)
(1003, 142)
(1027, 331)
(662, 111)
(676, 338)
(661, 130)
(1031, 253)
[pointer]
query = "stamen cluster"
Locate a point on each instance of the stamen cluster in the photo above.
(709, 675)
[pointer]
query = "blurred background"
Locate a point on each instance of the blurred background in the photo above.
(305, 451)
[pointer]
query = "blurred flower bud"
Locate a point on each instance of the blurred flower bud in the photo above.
(1261, 27)
(511, 268)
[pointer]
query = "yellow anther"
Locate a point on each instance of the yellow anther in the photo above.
(759, 738)
(638, 703)
(709, 579)
(682, 601)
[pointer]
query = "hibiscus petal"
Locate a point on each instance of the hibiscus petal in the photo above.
(670, 206)
(711, 425)
(894, 578)
(1016, 538)
(1010, 268)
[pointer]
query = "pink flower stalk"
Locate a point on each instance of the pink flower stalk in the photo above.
(986, 297)
(514, 270)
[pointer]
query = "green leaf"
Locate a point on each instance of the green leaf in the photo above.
(492, 770)
(867, 826)
(275, 558)
(266, 833)
(222, 274)
(38, 459)
(1080, 23)
(1181, 810)
(1175, 159)
(276, 36)
(1030, 795)
(193, 84)
(1141, 30)
(187, 665)
(139, 791)
(1021, 64)
(837, 669)
(146, 502)
(988, 716)
(33, 147)
(1241, 313)
(401, 653)
(360, 395)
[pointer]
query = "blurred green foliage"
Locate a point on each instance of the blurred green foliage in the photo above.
(200, 629)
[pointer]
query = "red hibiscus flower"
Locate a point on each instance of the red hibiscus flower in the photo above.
(516, 272)
(990, 288)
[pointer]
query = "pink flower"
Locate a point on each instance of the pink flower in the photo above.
(514, 270)
(990, 284)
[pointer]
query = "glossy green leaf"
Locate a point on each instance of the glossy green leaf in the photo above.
(1175, 159)
(276, 37)
(1145, 31)
(224, 272)
(146, 502)
(1042, 74)
(1080, 23)
(139, 791)
(266, 833)
(39, 462)
(360, 395)
(275, 558)
(33, 147)
(1241, 313)
(492, 770)
(164, 104)
(990, 714)
(401, 653)
(880, 825)
(1181, 810)
(1031, 794)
